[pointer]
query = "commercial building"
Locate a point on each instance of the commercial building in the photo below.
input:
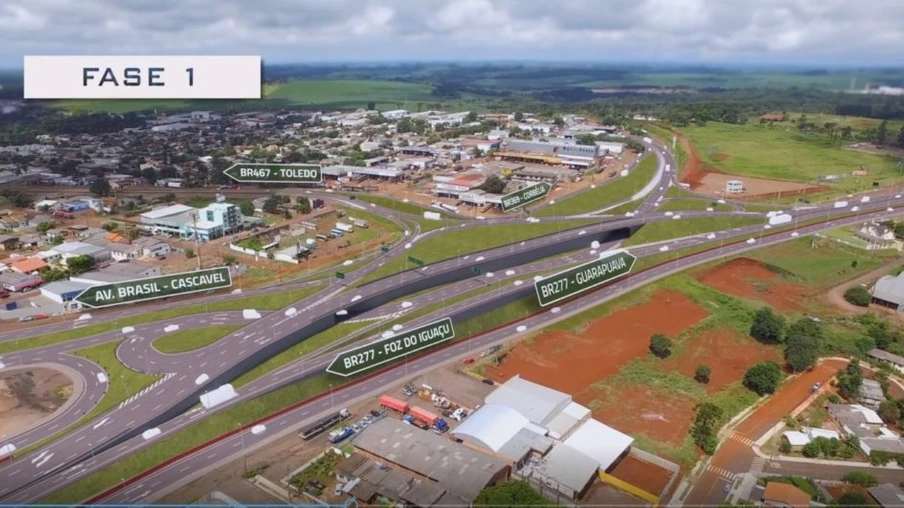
(734, 187)
(69, 250)
(568, 153)
(871, 394)
(889, 291)
(168, 219)
(611, 147)
(784, 495)
(62, 291)
(119, 272)
(455, 468)
(549, 439)
(19, 282)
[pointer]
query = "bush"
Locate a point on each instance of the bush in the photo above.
(785, 447)
(859, 296)
(853, 499)
(511, 493)
(861, 478)
(701, 375)
(767, 327)
(763, 377)
(660, 345)
(189, 253)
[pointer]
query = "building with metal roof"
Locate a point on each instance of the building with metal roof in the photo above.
(889, 292)
(535, 402)
(455, 467)
(564, 469)
(887, 495)
(600, 442)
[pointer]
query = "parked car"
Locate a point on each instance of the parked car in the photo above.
(25, 319)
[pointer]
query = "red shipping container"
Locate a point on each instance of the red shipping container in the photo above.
(423, 415)
(394, 404)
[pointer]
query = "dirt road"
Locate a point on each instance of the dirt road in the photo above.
(835, 295)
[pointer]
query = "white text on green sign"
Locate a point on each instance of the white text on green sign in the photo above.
(275, 173)
(576, 280)
(525, 196)
(377, 353)
(140, 290)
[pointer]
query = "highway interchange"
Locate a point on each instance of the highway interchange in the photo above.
(117, 434)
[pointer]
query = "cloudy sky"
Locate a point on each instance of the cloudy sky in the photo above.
(821, 32)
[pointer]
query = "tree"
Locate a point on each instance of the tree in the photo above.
(660, 345)
(811, 450)
(882, 133)
(862, 478)
(229, 259)
(79, 264)
(703, 430)
(702, 373)
(493, 185)
(247, 208)
(853, 498)
(763, 377)
(558, 121)
(43, 227)
(471, 117)
(850, 380)
(858, 295)
(767, 327)
(110, 226)
(511, 493)
(890, 412)
(900, 142)
(100, 187)
(785, 446)
(801, 351)
(302, 205)
(149, 174)
(271, 205)
(132, 233)
(519, 116)
(189, 252)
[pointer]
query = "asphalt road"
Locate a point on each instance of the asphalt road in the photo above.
(260, 332)
(169, 477)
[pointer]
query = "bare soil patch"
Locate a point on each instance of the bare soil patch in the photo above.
(663, 417)
(643, 474)
(572, 362)
(725, 352)
(747, 278)
(720, 156)
(28, 397)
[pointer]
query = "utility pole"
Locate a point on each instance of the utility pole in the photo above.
(194, 220)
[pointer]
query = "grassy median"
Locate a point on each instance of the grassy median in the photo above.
(680, 228)
(688, 204)
(605, 194)
(459, 242)
(271, 301)
(182, 341)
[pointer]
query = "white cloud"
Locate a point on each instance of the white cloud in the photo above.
(602, 30)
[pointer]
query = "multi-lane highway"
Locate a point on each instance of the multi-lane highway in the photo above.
(80, 452)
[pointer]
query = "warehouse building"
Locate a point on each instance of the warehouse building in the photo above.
(455, 468)
(549, 439)
(62, 291)
(569, 153)
(889, 292)
(168, 219)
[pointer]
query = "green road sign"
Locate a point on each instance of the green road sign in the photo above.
(476, 270)
(525, 196)
(576, 280)
(384, 250)
(140, 290)
(275, 173)
(415, 261)
(340, 275)
(377, 353)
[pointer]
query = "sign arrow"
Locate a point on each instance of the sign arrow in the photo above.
(525, 196)
(153, 288)
(565, 284)
(248, 172)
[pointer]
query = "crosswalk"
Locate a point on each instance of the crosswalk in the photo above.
(149, 388)
(759, 464)
(742, 439)
(724, 473)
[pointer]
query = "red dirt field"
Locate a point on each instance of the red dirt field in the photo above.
(727, 354)
(747, 278)
(663, 417)
(572, 363)
(643, 474)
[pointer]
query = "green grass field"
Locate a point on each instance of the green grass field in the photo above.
(668, 229)
(603, 195)
(182, 341)
(270, 301)
(833, 80)
(459, 242)
(777, 153)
